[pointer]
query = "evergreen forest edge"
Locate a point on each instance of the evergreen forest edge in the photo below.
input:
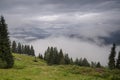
(52, 56)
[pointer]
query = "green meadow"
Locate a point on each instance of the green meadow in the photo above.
(26, 69)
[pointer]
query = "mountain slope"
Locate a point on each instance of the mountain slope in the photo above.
(26, 69)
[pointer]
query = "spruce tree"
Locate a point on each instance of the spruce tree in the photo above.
(55, 56)
(5, 52)
(14, 47)
(118, 61)
(80, 62)
(46, 54)
(61, 57)
(23, 49)
(28, 50)
(67, 59)
(19, 48)
(32, 51)
(85, 63)
(98, 65)
(71, 61)
(111, 62)
(76, 61)
(50, 59)
(52, 56)
(40, 56)
(93, 64)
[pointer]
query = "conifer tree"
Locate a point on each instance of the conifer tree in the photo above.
(80, 62)
(98, 65)
(118, 61)
(22, 49)
(85, 63)
(51, 59)
(32, 52)
(19, 48)
(93, 64)
(55, 56)
(28, 50)
(46, 54)
(71, 61)
(52, 56)
(61, 57)
(111, 62)
(67, 59)
(76, 61)
(25, 49)
(14, 47)
(6, 58)
(40, 56)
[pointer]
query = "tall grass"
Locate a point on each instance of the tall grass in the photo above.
(26, 69)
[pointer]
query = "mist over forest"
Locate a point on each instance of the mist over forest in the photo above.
(82, 28)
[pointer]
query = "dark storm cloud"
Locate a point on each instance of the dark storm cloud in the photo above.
(88, 18)
(57, 6)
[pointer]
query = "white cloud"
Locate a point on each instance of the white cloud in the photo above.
(75, 48)
(86, 18)
(46, 18)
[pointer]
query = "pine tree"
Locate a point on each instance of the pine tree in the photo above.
(76, 61)
(23, 49)
(85, 63)
(98, 65)
(67, 59)
(111, 62)
(71, 61)
(52, 56)
(14, 47)
(19, 48)
(55, 56)
(46, 54)
(80, 62)
(32, 51)
(118, 62)
(40, 56)
(28, 50)
(61, 57)
(93, 64)
(6, 58)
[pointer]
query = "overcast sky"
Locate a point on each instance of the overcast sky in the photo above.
(87, 25)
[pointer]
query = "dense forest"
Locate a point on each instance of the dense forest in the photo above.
(22, 49)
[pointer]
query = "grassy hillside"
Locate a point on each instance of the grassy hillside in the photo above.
(26, 69)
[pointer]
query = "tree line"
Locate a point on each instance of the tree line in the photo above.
(54, 57)
(113, 62)
(22, 49)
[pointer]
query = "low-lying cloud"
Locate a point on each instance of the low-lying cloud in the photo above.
(76, 48)
(81, 28)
